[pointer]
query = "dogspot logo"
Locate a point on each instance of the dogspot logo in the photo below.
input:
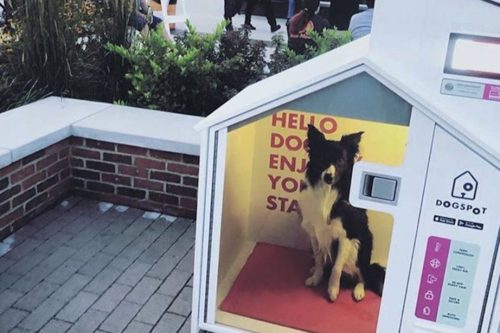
(464, 187)
(460, 206)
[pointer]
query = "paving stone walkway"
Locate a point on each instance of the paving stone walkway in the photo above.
(86, 266)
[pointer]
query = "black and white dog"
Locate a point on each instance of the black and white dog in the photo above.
(339, 233)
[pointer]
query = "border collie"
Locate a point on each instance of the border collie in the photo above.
(339, 233)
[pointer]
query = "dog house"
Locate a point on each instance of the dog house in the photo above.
(425, 91)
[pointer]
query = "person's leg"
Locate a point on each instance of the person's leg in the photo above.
(228, 15)
(291, 8)
(271, 19)
(248, 13)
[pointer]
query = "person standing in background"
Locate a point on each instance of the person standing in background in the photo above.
(302, 23)
(361, 23)
(231, 8)
(341, 12)
(268, 8)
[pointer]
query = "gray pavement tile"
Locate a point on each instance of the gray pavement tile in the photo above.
(112, 297)
(20, 330)
(10, 318)
(187, 263)
(23, 249)
(88, 251)
(152, 311)
(27, 263)
(96, 264)
(190, 282)
(174, 282)
(77, 306)
(9, 297)
(120, 317)
(123, 221)
(143, 290)
(182, 304)
(170, 259)
(17, 238)
(51, 229)
(76, 226)
(71, 287)
(118, 244)
(45, 268)
(65, 271)
(120, 263)
(38, 318)
(36, 296)
(138, 227)
(134, 273)
(169, 323)
(137, 327)
(6, 280)
(53, 243)
(6, 263)
(4, 248)
(141, 243)
(186, 327)
(164, 242)
(103, 280)
(89, 322)
(55, 326)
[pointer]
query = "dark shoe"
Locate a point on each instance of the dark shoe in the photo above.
(249, 26)
(229, 27)
(275, 28)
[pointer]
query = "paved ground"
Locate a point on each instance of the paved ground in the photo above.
(86, 266)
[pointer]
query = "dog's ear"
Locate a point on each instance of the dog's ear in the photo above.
(313, 135)
(351, 142)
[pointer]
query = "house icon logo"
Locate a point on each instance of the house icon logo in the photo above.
(464, 186)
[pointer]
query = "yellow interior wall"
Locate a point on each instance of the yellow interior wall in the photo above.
(248, 214)
(237, 195)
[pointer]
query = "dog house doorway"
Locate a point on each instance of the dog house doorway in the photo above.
(264, 254)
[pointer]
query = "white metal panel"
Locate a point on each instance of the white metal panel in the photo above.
(449, 159)
(205, 223)
(411, 45)
(198, 295)
(217, 199)
(405, 214)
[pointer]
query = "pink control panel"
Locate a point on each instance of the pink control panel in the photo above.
(446, 282)
(432, 279)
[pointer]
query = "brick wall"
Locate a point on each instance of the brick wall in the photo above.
(143, 178)
(138, 177)
(30, 185)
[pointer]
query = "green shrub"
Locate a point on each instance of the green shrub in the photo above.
(57, 47)
(193, 75)
(284, 58)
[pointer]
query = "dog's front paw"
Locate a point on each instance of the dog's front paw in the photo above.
(313, 280)
(359, 292)
(333, 293)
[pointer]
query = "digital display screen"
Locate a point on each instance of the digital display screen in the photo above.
(473, 56)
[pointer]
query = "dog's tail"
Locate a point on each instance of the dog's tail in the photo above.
(376, 277)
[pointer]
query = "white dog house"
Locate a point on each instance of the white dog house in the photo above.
(425, 90)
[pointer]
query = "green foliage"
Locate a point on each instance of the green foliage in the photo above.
(57, 47)
(193, 75)
(284, 58)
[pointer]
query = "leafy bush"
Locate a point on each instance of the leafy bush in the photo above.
(193, 75)
(57, 47)
(284, 58)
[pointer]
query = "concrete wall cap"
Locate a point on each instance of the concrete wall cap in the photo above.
(32, 127)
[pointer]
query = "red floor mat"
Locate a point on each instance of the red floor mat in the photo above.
(270, 287)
